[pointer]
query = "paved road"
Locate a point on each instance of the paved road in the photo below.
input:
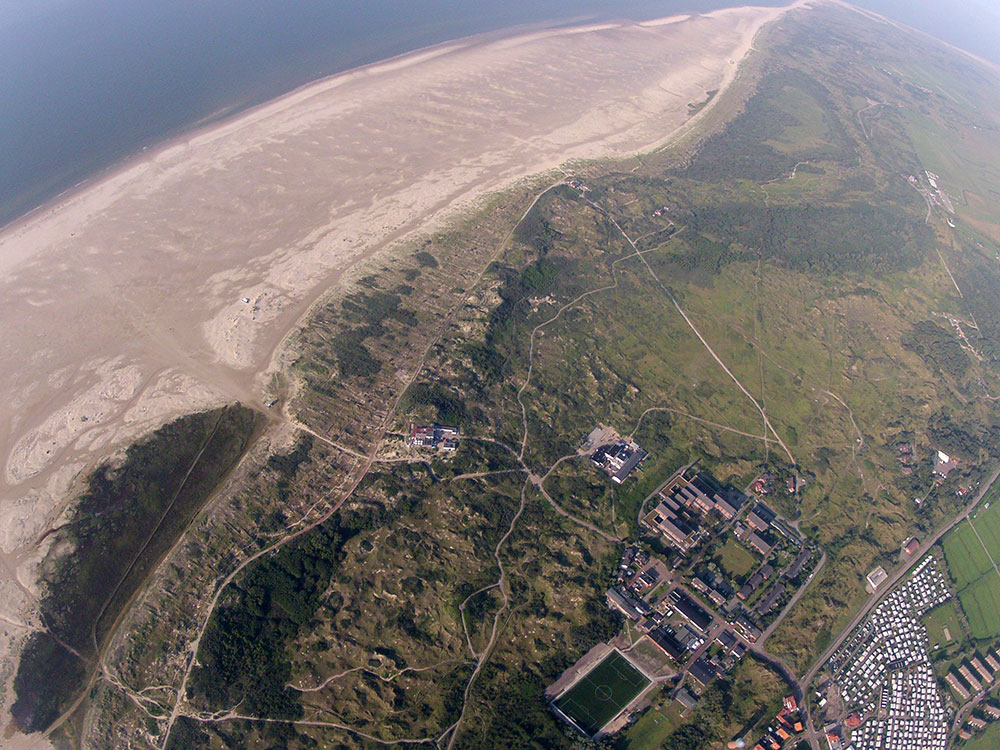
(904, 568)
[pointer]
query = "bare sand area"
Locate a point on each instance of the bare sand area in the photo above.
(124, 302)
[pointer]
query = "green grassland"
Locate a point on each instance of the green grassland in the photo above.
(987, 740)
(432, 597)
(736, 559)
(939, 618)
(751, 693)
(970, 550)
(602, 693)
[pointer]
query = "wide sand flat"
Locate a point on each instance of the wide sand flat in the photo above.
(123, 304)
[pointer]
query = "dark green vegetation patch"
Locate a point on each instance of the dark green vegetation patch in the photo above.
(127, 518)
(602, 693)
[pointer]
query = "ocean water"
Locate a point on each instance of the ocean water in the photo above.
(87, 83)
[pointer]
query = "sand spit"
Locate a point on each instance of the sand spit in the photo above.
(124, 303)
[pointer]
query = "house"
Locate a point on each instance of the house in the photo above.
(690, 610)
(727, 640)
(632, 608)
(767, 603)
(755, 581)
(911, 547)
(798, 563)
(703, 671)
(747, 627)
(760, 542)
(686, 698)
(761, 517)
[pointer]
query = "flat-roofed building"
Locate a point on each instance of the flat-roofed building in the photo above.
(690, 610)
(703, 671)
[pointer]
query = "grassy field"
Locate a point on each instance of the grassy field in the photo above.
(970, 550)
(602, 693)
(736, 559)
(967, 560)
(938, 620)
(988, 740)
(653, 728)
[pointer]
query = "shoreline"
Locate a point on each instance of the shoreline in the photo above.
(176, 335)
(226, 117)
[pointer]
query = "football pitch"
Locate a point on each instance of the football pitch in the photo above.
(602, 693)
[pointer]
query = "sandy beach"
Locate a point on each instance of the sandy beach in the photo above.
(124, 302)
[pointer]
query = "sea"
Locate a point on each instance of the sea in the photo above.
(86, 84)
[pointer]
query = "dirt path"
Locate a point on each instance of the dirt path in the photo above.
(708, 347)
(540, 326)
(371, 458)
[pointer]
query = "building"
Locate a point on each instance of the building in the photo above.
(754, 582)
(875, 579)
(911, 547)
(673, 524)
(690, 610)
(984, 672)
(747, 628)
(703, 671)
(798, 563)
(761, 517)
(686, 698)
(970, 679)
(767, 603)
(943, 464)
(956, 684)
(632, 608)
(668, 642)
(619, 459)
(434, 436)
(760, 542)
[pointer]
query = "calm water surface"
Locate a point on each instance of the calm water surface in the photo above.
(86, 83)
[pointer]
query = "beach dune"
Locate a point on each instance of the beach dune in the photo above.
(124, 302)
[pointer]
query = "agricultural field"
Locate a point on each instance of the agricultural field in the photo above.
(971, 550)
(602, 693)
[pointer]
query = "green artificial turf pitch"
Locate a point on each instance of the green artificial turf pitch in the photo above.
(602, 693)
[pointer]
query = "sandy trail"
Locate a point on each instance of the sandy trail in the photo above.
(123, 302)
